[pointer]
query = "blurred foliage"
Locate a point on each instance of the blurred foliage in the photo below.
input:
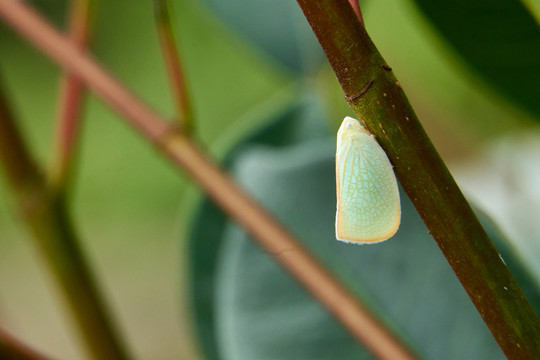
(499, 39)
(277, 27)
(256, 77)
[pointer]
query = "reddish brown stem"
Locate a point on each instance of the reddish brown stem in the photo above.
(356, 7)
(70, 102)
(171, 56)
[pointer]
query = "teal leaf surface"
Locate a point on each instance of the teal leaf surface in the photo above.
(292, 126)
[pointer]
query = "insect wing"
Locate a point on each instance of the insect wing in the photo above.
(368, 206)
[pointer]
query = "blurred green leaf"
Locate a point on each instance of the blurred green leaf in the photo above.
(287, 127)
(250, 308)
(278, 27)
(498, 39)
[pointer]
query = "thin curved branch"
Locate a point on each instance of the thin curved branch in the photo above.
(71, 96)
(385, 110)
(272, 236)
(171, 55)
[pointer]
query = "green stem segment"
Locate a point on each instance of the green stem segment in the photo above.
(379, 101)
(50, 224)
(57, 240)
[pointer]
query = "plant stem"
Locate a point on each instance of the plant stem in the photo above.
(13, 349)
(379, 101)
(70, 103)
(50, 225)
(177, 80)
(271, 235)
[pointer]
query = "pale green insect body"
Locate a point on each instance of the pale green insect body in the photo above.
(368, 206)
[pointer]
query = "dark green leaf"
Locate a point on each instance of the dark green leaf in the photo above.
(498, 39)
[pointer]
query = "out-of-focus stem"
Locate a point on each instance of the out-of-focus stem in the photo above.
(19, 167)
(70, 104)
(177, 80)
(44, 211)
(13, 349)
(51, 226)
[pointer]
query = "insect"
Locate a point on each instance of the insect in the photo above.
(368, 207)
